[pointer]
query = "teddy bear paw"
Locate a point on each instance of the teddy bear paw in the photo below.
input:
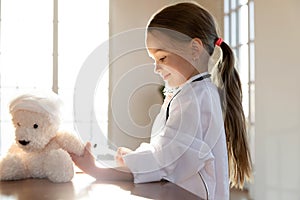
(12, 168)
(59, 166)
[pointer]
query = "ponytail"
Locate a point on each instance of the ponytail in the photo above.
(239, 159)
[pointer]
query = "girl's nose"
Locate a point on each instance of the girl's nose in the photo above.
(157, 68)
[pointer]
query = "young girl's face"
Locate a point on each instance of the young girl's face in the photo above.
(174, 65)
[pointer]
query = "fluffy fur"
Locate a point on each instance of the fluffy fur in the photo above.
(40, 149)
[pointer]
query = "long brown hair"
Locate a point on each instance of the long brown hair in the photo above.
(194, 21)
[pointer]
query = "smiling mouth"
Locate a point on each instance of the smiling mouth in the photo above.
(166, 76)
(24, 142)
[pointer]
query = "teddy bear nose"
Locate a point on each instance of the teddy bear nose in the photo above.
(24, 142)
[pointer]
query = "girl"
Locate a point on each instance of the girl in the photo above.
(195, 144)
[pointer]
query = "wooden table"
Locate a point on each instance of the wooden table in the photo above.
(85, 187)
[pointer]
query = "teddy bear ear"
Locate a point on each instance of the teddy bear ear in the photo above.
(47, 103)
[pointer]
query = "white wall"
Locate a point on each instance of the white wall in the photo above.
(277, 149)
(132, 110)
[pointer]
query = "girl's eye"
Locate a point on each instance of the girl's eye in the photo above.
(18, 124)
(162, 59)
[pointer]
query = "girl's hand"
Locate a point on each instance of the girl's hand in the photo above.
(86, 162)
(119, 156)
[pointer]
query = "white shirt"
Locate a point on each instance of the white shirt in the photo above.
(189, 149)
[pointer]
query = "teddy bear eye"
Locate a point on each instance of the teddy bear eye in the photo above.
(35, 126)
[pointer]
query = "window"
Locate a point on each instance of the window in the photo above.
(239, 34)
(43, 46)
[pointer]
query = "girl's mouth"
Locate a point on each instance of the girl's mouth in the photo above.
(165, 77)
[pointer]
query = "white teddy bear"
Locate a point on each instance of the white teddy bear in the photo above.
(40, 149)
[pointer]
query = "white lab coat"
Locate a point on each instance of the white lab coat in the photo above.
(192, 140)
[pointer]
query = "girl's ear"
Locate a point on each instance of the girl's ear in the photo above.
(197, 47)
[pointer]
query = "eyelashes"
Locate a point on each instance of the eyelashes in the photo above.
(162, 59)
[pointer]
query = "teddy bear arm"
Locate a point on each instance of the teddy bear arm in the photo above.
(13, 167)
(70, 143)
(58, 166)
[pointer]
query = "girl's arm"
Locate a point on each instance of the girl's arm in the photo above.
(87, 164)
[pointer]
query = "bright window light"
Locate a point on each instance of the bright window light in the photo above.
(26, 57)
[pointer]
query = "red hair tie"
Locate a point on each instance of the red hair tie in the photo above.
(219, 42)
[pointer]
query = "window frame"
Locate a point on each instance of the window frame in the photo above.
(231, 27)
